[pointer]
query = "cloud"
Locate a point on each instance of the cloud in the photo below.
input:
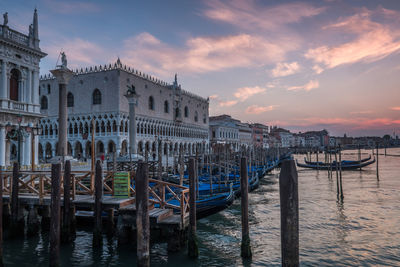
(361, 112)
(351, 123)
(372, 41)
(395, 108)
(203, 54)
(213, 96)
(313, 84)
(245, 92)
(255, 109)
(285, 69)
(228, 103)
(79, 52)
(71, 7)
(252, 16)
(317, 69)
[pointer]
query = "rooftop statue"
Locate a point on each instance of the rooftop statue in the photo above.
(5, 16)
(63, 60)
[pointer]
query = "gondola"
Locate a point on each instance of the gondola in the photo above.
(320, 163)
(333, 167)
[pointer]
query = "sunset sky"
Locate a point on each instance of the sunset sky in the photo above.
(304, 65)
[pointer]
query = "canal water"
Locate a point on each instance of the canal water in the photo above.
(363, 230)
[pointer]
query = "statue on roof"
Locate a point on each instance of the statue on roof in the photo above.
(5, 17)
(30, 30)
(131, 89)
(63, 60)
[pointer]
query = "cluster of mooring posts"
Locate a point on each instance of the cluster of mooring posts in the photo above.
(333, 163)
(144, 200)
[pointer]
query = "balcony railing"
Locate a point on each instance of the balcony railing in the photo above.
(14, 35)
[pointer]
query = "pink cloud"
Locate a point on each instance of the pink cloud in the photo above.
(213, 96)
(318, 69)
(395, 108)
(203, 54)
(313, 84)
(252, 16)
(372, 41)
(228, 103)
(285, 69)
(255, 109)
(351, 123)
(245, 92)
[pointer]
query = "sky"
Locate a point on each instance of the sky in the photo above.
(301, 65)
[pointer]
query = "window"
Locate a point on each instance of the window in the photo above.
(96, 97)
(166, 106)
(196, 116)
(186, 111)
(177, 113)
(43, 103)
(48, 89)
(70, 100)
(204, 118)
(151, 103)
(14, 84)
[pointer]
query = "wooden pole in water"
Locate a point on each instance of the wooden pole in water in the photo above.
(245, 250)
(1, 218)
(193, 249)
(142, 215)
(359, 156)
(93, 158)
(66, 227)
(98, 197)
(55, 215)
(337, 172)
(340, 173)
(160, 160)
(377, 162)
(289, 202)
(317, 160)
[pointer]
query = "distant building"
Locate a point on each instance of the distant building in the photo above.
(20, 55)
(224, 130)
(245, 134)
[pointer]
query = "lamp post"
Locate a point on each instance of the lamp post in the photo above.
(132, 97)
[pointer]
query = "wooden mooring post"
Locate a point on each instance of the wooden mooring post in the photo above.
(193, 249)
(1, 219)
(142, 215)
(68, 211)
(377, 162)
(340, 173)
(289, 202)
(54, 238)
(17, 218)
(98, 197)
(245, 248)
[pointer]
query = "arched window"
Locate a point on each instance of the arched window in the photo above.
(70, 100)
(204, 118)
(196, 116)
(186, 111)
(43, 103)
(177, 113)
(48, 89)
(151, 103)
(96, 97)
(166, 106)
(14, 84)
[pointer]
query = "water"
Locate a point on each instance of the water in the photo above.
(363, 230)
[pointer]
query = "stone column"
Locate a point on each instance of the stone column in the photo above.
(2, 147)
(63, 75)
(28, 87)
(35, 89)
(132, 100)
(27, 149)
(36, 142)
(4, 80)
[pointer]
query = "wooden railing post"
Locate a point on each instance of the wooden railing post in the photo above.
(17, 219)
(289, 202)
(142, 215)
(55, 215)
(193, 249)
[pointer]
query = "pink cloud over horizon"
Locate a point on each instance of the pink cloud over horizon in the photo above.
(284, 69)
(244, 93)
(255, 109)
(313, 84)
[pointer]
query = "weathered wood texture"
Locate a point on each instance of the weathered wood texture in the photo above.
(289, 202)
(193, 249)
(55, 215)
(98, 198)
(244, 191)
(142, 217)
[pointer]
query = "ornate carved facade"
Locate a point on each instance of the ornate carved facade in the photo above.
(19, 93)
(165, 112)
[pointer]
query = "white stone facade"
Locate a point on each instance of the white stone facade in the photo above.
(19, 94)
(224, 130)
(165, 112)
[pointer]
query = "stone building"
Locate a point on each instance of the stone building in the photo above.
(165, 112)
(224, 130)
(19, 93)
